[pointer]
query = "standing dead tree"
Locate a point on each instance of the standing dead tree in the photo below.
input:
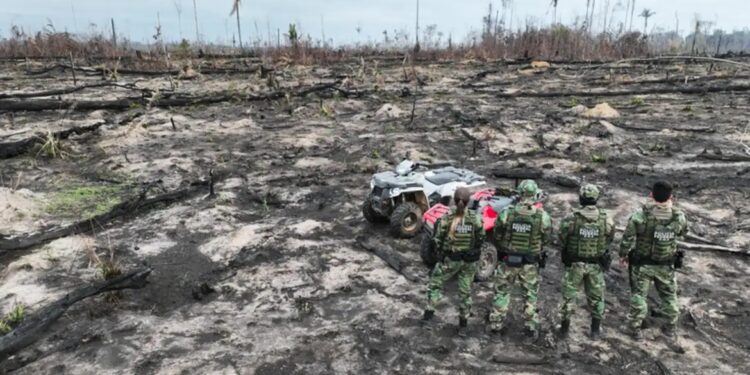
(236, 11)
(195, 13)
(646, 14)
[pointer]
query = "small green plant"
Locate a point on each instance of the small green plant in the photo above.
(265, 203)
(52, 147)
(109, 270)
(304, 307)
(688, 108)
(573, 102)
(637, 101)
(13, 318)
(4, 327)
(375, 154)
(598, 158)
(326, 110)
(659, 147)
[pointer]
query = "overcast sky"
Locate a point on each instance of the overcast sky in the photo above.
(136, 19)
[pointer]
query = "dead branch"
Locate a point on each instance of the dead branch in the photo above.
(384, 252)
(722, 157)
(526, 360)
(37, 324)
(8, 244)
(672, 58)
(608, 93)
(711, 248)
(535, 174)
(164, 102)
(97, 71)
(69, 90)
(15, 148)
(685, 128)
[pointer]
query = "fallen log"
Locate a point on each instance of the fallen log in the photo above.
(711, 248)
(722, 157)
(139, 72)
(172, 101)
(692, 129)
(534, 174)
(607, 93)
(68, 90)
(395, 260)
(521, 360)
(8, 244)
(37, 324)
(18, 147)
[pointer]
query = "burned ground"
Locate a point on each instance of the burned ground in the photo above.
(266, 275)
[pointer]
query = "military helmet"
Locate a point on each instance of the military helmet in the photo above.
(589, 191)
(528, 188)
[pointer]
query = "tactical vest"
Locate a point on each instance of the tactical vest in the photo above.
(463, 238)
(523, 233)
(656, 240)
(587, 239)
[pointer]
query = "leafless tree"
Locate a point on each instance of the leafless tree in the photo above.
(646, 14)
(197, 32)
(178, 8)
(236, 11)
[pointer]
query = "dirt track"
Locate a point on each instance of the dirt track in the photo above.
(266, 277)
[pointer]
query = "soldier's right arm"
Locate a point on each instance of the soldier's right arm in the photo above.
(439, 231)
(500, 223)
(628, 238)
(610, 227)
(562, 235)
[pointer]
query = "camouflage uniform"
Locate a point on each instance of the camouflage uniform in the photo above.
(650, 243)
(585, 237)
(520, 233)
(468, 236)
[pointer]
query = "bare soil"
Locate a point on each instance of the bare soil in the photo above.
(266, 277)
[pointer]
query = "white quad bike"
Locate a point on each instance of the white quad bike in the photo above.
(402, 196)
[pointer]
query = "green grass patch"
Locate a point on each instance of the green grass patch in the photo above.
(84, 202)
(12, 319)
(598, 158)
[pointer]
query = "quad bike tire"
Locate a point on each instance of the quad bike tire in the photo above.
(427, 251)
(487, 262)
(406, 220)
(370, 214)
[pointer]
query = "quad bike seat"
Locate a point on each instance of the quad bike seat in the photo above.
(449, 174)
(443, 178)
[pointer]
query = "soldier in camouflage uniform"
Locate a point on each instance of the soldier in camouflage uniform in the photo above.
(458, 237)
(520, 233)
(585, 237)
(649, 245)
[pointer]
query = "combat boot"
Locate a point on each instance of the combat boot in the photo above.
(564, 328)
(532, 334)
(427, 319)
(669, 331)
(636, 334)
(595, 328)
(463, 323)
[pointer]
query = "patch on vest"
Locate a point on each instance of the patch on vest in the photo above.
(464, 228)
(664, 235)
(589, 232)
(521, 228)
